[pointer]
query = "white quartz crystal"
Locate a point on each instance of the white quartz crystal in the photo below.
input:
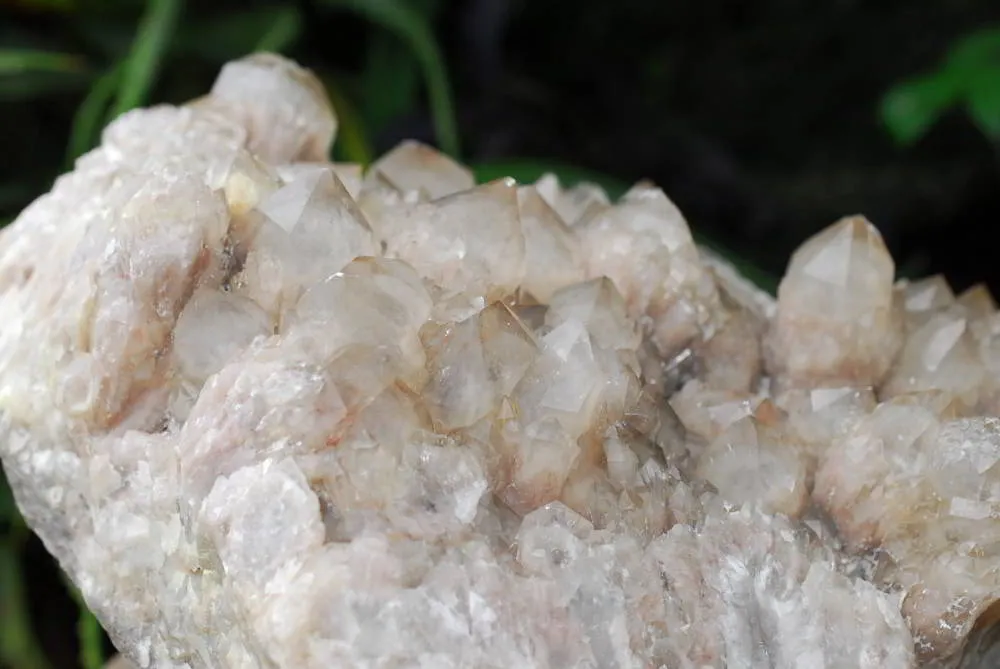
(837, 321)
(272, 411)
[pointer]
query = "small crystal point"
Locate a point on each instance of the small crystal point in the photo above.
(838, 321)
(644, 245)
(469, 244)
(413, 166)
(283, 106)
(940, 355)
(572, 204)
(312, 229)
(552, 251)
(978, 301)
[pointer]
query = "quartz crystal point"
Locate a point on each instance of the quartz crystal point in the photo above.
(282, 106)
(270, 411)
(837, 322)
(413, 166)
(644, 245)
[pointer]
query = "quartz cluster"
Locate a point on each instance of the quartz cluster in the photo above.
(272, 411)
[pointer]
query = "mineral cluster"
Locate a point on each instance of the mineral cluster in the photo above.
(270, 411)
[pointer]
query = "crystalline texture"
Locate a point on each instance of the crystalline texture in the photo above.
(311, 229)
(926, 493)
(273, 411)
(552, 252)
(751, 461)
(644, 245)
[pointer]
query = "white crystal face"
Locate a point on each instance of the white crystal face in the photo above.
(273, 411)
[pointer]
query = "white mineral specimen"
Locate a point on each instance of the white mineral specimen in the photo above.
(271, 411)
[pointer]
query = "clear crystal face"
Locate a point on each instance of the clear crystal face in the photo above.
(272, 411)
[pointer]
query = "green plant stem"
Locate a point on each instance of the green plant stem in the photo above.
(87, 122)
(143, 62)
(25, 61)
(408, 25)
(91, 640)
(352, 139)
(19, 649)
(283, 32)
(88, 631)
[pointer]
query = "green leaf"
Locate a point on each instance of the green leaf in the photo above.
(7, 507)
(18, 88)
(399, 18)
(283, 33)
(91, 638)
(234, 34)
(148, 47)
(108, 37)
(88, 630)
(983, 101)
(981, 48)
(27, 73)
(909, 109)
(390, 81)
(87, 122)
(352, 138)
(18, 646)
(28, 61)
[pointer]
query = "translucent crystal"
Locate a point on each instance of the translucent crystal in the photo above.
(923, 298)
(311, 229)
(644, 246)
(552, 253)
(753, 462)
(413, 166)
(282, 105)
(388, 303)
(820, 417)
(467, 244)
(731, 358)
(706, 412)
(978, 301)
(940, 355)
(213, 328)
(598, 305)
(571, 204)
(836, 322)
(926, 493)
(349, 174)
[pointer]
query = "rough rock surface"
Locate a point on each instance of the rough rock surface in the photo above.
(270, 411)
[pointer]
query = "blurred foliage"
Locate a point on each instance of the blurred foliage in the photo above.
(967, 78)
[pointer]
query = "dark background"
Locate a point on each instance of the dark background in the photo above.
(761, 120)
